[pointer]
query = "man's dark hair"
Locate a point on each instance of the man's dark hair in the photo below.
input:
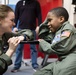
(60, 11)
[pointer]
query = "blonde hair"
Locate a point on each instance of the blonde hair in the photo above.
(4, 9)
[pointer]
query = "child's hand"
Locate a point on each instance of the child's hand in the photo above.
(15, 30)
(37, 29)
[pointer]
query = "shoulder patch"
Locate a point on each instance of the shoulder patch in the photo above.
(66, 34)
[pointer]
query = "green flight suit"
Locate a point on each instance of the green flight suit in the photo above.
(5, 61)
(64, 47)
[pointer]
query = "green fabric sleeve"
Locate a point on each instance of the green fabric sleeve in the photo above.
(63, 46)
(23, 32)
(6, 58)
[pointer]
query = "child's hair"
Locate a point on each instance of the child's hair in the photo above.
(60, 11)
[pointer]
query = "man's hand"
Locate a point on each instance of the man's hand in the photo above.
(15, 30)
(37, 29)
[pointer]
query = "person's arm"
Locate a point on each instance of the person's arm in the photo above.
(61, 45)
(16, 14)
(44, 31)
(4, 62)
(39, 15)
(42, 28)
(24, 32)
(5, 59)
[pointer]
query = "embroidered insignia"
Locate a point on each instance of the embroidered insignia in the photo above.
(56, 39)
(65, 33)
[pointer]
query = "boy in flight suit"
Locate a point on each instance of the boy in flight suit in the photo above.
(62, 42)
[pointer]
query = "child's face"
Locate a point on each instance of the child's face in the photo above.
(54, 22)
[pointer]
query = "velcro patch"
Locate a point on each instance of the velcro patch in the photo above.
(66, 34)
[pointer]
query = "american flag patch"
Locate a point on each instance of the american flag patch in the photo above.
(65, 33)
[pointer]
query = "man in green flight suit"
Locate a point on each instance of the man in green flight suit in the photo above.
(62, 37)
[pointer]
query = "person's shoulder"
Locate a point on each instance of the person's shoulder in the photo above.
(68, 26)
(35, 1)
(19, 2)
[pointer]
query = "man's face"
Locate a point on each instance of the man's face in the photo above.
(54, 22)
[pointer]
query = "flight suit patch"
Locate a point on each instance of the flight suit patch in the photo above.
(65, 33)
(57, 38)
